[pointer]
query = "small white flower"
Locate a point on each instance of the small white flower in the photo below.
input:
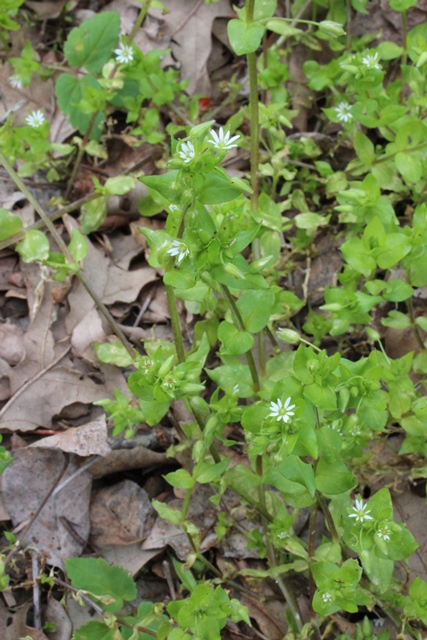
(343, 111)
(360, 512)
(355, 430)
(124, 53)
(35, 119)
(178, 249)
(372, 61)
(173, 207)
(384, 532)
(281, 411)
(15, 82)
(147, 365)
(187, 152)
(222, 141)
(283, 535)
(326, 597)
(235, 389)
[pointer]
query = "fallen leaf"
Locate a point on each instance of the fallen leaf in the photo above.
(55, 613)
(120, 515)
(88, 440)
(65, 511)
(189, 27)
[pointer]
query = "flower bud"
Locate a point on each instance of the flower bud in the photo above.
(331, 28)
(289, 336)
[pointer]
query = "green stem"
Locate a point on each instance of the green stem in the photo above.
(179, 344)
(349, 16)
(331, 525)
(404, 37)
(80, 155)
(281, 582)
(239, 324)
(64, 250)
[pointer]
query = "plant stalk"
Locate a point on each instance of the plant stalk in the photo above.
(239, 323)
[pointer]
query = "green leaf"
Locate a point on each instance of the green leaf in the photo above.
(119, 185)
(114, 353)
(210, 472)
(378, 570)
(34, 247)
(217, 188)
(402, 5)
(397, 291)
(94, 630)
(244, 38)
(78, 245)
(334, 478)
(310, 221)
(93, 214)
(418, 595)
(91, 44)
(409, 166)
(295, 470)
(69, 92)
(255, 308)
(9, 224)
(166, 185)
(235, 342)
(180, 479)
(282, 27)
(167, 513)
(101, 579)
(396, 320)
(396, 247)
(264, 9)
(364, 148)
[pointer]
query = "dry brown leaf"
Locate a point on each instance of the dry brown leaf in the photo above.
(131, 557)
(125, 459)
(88, 440)
(11, 343)
(124, 286)
(189, 27)
(48, 395)
(55, 613)
(119, 515)
(26, 483)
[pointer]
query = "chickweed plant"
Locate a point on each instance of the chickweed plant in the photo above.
(311, 418)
